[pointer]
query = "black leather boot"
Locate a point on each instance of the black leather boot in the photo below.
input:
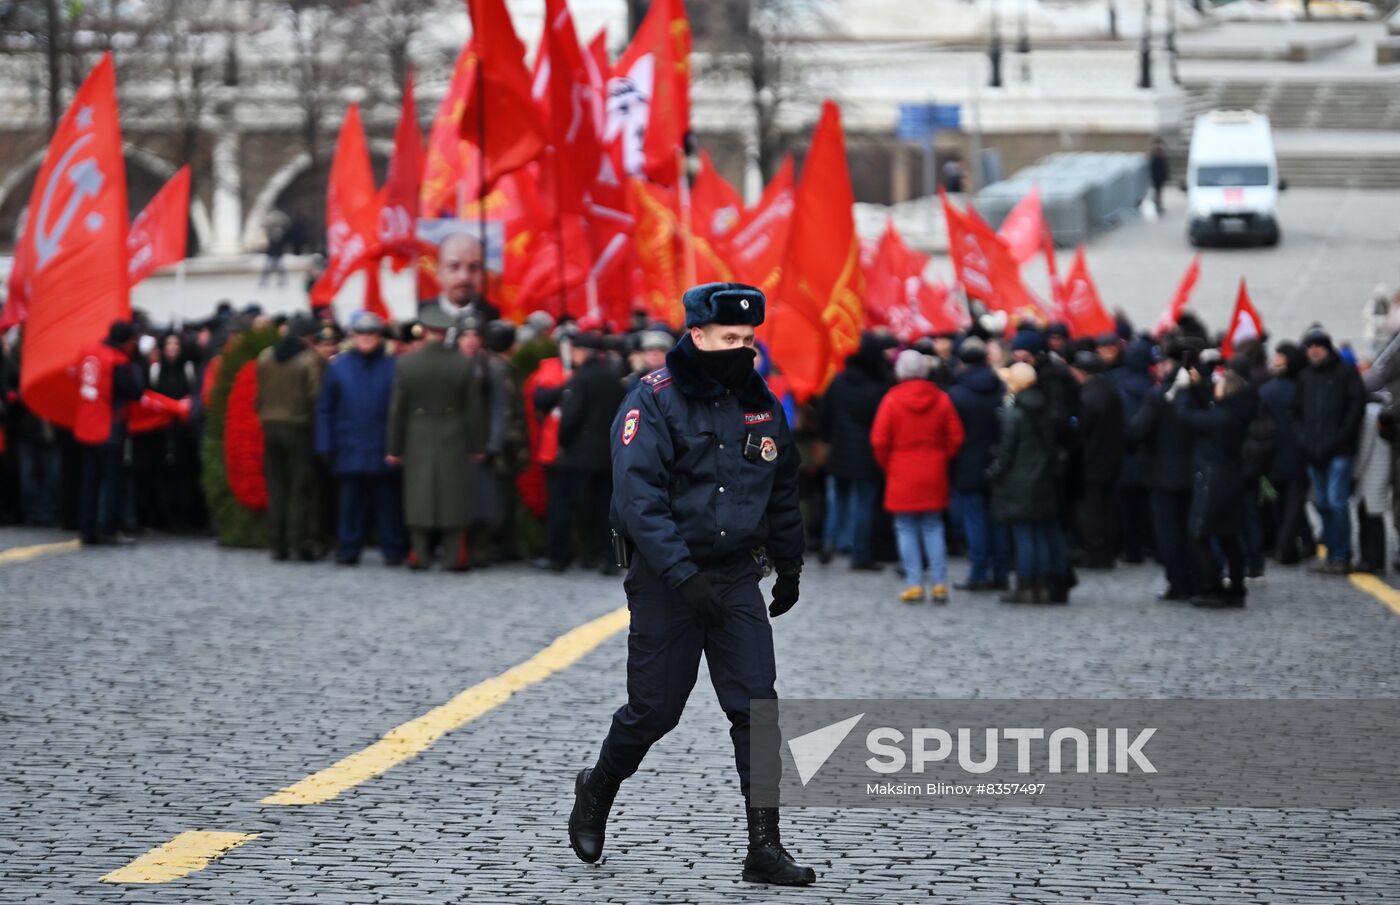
(768, 861)
(594, 791)
(1024, 592)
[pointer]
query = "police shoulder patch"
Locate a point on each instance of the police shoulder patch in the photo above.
(658, 380)
(758, 417)
(630, 422)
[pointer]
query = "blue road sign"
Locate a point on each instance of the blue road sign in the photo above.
(918, 122)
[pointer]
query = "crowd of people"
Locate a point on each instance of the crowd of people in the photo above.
(1042, 456)
(464, 438)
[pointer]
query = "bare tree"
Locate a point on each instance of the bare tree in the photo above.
(33, 39)
(326, 59)
(770, 34)
(392, 28)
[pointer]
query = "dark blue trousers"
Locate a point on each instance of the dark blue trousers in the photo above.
(1170, 509)
(664, 646)
(371, 499)
(100, 501)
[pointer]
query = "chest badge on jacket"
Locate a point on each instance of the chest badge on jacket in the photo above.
(630, 423)
(768, 450)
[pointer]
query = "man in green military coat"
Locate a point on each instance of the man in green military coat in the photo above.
(435, 431)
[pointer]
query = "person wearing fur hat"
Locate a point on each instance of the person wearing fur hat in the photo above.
(705, 472)
(437, 414)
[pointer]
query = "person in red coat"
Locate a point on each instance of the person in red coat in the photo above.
(915, 435)
(108, 382)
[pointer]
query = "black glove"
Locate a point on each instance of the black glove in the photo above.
(696, 592)
(785, 591)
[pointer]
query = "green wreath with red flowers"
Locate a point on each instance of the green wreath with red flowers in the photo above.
(233, 445)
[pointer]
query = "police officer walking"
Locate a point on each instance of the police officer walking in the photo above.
(705, 472)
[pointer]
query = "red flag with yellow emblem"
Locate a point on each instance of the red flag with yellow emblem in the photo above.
(815, 317)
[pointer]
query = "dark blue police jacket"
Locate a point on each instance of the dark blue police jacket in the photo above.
(683, 490)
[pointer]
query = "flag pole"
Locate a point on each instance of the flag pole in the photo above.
(559, 230)
(179, 291)
(481, 162)
(687, 231)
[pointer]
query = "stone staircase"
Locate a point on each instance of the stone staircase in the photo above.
(1304, 104)
(1371, 105)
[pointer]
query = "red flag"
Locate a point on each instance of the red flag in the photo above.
(1024, 229)
(154, 411)
(755, 249)
(611, 225)
(500, 117)
(1245, 323)
(898, 296)
(716, 206)
(547, 282)
(398, 199)
(157, 235)
(984, 265)
(73, 251)
(352, 214)
(1167, 321)
(569, 89)
(814, 319)
(374, 295)
(649, 95)
(452, 166)
(656, 242)
(1082, 309)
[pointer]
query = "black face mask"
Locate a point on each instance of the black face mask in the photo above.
(731, 368)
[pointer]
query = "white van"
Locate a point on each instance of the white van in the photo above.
(1232, 182)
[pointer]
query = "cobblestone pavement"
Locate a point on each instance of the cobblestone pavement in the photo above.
(170, 686)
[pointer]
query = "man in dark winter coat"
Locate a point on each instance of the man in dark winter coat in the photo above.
(853, 475)
(1134, 380)
(1023, 477)
(1327, 412)
(509, 447)
(1100, 460)
(977, 395)
(352, 423)
(436, 429)
(1287, 469)
(706, 472)
(1062, 411)
(1166, 455)
(1217, 515)
(580, 482)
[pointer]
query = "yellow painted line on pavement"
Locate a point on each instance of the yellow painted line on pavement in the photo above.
(188, 852)
(1377, 588)
(415, 736)
(25, 554)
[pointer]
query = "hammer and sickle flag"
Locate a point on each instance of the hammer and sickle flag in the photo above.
(72, 257)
